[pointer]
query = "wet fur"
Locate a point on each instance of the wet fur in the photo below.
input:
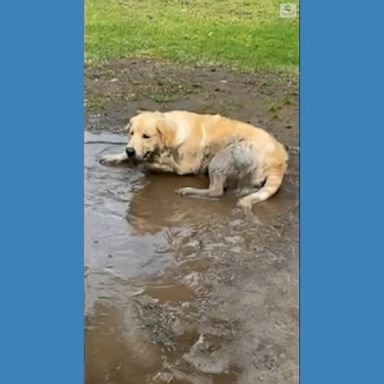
(232, 152)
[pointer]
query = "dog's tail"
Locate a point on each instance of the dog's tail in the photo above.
(272, 184)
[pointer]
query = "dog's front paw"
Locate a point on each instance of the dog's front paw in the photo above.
(113, 159)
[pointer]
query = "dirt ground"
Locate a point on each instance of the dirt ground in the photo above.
(116, 90)
(178, 290)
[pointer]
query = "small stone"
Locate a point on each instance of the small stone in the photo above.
(192, 280)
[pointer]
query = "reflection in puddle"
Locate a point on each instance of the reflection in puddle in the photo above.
(186, 290)
(169, 293)
(114, 352)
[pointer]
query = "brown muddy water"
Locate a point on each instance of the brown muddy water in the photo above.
(186, 291)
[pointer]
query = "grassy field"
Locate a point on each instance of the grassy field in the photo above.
(242, 34)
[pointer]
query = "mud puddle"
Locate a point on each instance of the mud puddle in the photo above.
(186, 290)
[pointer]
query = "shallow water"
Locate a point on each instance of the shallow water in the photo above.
(185, 290)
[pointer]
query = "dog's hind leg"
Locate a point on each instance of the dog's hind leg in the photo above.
(255, 183)
(215, 189)
(274, 178)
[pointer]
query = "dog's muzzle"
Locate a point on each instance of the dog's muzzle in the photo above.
(131, 153)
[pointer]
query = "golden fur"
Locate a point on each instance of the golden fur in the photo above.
(186, 143)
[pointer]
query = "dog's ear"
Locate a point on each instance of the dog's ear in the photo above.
(127, 128)
(166, 130)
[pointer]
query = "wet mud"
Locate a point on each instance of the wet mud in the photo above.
(182, 290)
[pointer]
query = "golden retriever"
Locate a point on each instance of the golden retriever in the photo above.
(232, 152)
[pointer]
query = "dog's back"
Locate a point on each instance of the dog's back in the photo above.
(266, 158)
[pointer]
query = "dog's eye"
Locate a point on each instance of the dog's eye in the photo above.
(146, 136)
(132, 133)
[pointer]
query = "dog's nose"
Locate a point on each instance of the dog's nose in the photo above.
(130, 152)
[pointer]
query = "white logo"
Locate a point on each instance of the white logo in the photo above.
(287, 10)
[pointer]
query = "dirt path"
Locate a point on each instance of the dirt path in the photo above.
(187, 291)
(115, 91)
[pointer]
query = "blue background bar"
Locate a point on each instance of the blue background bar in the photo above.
(41, 178)
(342, 231)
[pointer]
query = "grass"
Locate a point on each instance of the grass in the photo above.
(246, 35)
(163, 97)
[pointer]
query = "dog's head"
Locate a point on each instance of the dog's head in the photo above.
(149, 133)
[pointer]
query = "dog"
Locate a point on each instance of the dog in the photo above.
(231, 152)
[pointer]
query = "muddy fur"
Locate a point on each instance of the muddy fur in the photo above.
(232, 152)
(231, 167)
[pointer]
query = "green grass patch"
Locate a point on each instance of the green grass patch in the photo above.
(244, 35)
(163, 97)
